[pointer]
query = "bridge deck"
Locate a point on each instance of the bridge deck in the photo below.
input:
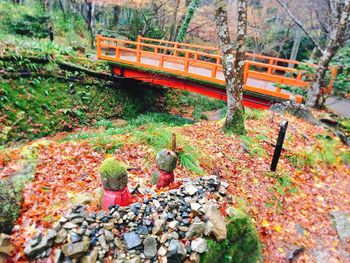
(263, 75)
(198, 70)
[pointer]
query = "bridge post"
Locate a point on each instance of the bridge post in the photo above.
(176, 46)
(98, 44)
(214, 71)
(138, 48)
(271, 62)
(246, 69)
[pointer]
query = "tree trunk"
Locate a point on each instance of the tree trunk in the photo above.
(172, 27)
(62, 8)
(296, 45)
(316, 95)
(90, 8)
(116, 14)
(189, 14)
(233, 67)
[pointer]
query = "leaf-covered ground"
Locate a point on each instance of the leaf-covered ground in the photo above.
(289, 207)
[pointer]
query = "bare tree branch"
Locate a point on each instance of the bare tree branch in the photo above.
(300, 24)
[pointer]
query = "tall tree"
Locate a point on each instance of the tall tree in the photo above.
(173, 21)
(335, 21)
(233, 64)
(185, 24)
(87, 10)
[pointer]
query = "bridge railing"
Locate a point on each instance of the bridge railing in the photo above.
(200, 62)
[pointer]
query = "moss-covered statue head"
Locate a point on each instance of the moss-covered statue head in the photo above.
(114, 174)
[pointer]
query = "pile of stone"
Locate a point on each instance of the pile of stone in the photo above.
(170, 227)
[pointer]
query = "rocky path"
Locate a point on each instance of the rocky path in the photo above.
(339, 105)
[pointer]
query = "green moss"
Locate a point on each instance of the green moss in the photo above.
(113, 168)
(236, 125)
(242, 243)
(114, 174)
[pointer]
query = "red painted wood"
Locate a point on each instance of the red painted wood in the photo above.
(176, 83)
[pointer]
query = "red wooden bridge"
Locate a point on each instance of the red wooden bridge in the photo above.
(198, 69)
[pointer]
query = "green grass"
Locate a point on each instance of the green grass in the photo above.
(253, 146)
(254, 114)
(160, 138)
(104, 123)
(325, 152)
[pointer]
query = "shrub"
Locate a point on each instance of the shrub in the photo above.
(31, 25)
(242, 243)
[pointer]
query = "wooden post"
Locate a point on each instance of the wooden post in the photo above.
(279, 145)
(99, 49)
(138, 48)
(161, 61)
(246, 69)
(186, 66)
(214, 71)
(300, 74)
(272, 62)
(173, 142)
(176, 47)
(117, 52)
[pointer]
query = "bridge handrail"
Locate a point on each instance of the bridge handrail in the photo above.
(185, 55)
(252, 55)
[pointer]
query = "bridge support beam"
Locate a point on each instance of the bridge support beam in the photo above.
(183, 84)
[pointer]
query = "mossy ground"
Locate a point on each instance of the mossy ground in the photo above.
(241, 246)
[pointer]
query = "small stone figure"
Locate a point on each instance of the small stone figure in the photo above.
(163, 174)
(114, 175)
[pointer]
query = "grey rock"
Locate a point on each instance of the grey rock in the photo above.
(150, 247)
(70, 225)
(100, 215)
(44, 244)
(298, 110)
(158, 226)
(108, 235)
(342, 225)
(195, 230)
(92, 257)
(294, 251)
(195, 207)
(63, 219)
(108, 226)
(190, 189)
(173, 235)
(57, 255)
(103, 242)
(208, 229)
(162, 251)
(173, 225)
(164, 238)
(61, 236)
(75, 237)
(132, 240)
(199, 245)
(75, 249)
(118, 243)
(195, 257)
(6, 248)
(219, 225)
(176, 252)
